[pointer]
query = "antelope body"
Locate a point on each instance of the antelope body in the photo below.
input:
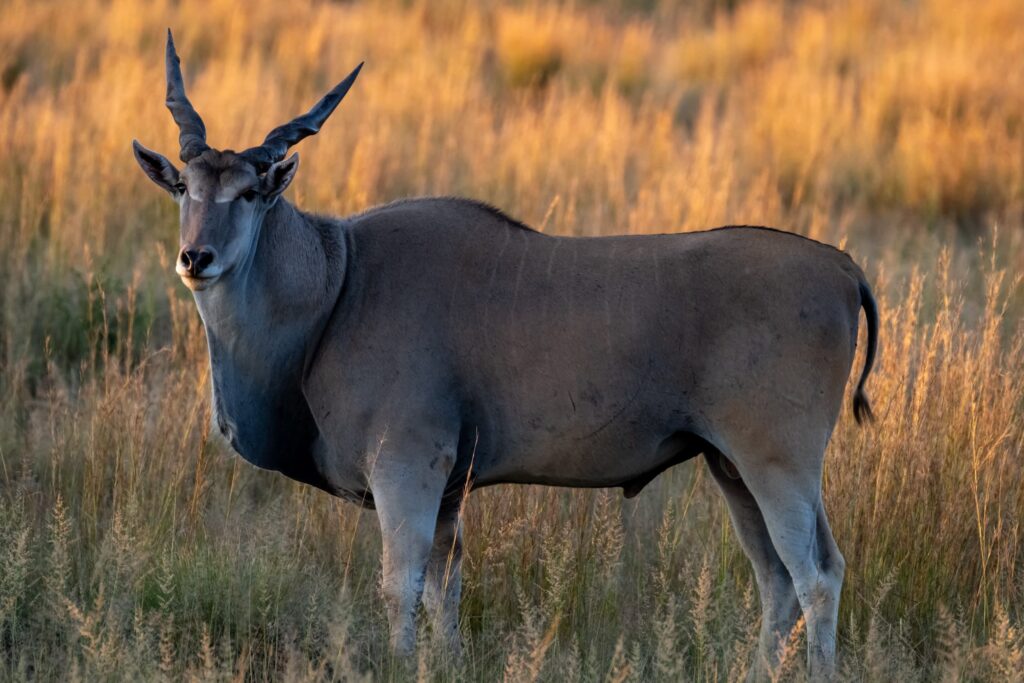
(405, 355)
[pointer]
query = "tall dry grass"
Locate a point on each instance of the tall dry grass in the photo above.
(132, 545)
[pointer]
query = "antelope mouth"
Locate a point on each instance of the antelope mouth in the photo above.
(198, 281)
(198, 284)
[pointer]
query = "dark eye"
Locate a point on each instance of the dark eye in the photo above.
(250, 195)
(180, 188)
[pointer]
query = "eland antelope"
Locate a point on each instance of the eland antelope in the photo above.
(405, 355)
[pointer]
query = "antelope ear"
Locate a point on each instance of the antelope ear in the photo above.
(157, 167)
(279, 176)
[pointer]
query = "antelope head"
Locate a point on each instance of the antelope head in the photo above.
(223, 196)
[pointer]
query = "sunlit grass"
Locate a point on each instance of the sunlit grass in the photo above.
(132, 545)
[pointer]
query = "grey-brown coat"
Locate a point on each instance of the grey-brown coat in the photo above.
(402, 356)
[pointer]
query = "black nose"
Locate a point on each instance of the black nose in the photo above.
(196, 261)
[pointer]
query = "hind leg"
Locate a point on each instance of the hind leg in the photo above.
(780, 608)
(786, 483)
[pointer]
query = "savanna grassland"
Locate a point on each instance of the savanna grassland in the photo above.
(133, 545)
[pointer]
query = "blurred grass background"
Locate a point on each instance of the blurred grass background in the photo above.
(132, 545)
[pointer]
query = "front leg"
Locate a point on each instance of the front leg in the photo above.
(407, 482)
(444, 578)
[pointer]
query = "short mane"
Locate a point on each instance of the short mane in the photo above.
(496, 212)
(490, 209)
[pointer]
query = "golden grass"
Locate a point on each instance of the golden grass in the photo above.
(133, 546)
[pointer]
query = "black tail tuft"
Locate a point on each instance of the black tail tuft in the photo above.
(861, 406)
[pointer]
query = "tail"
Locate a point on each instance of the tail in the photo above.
(861, 406)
